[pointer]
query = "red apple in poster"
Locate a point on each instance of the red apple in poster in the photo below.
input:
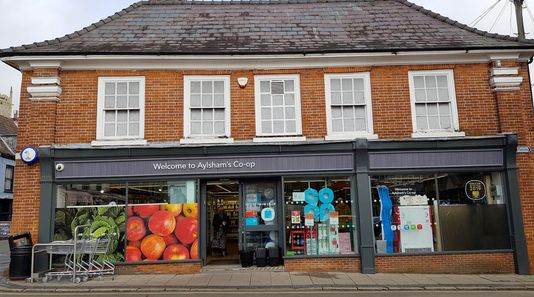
(175, 209)
(145, 211)
(133, 254)
(135, 229)
(170, 239)
(153, 246)
(194, 250)
(176, 252)
(162, 223)
(190, 210)
(186, 229)
(130, 211)
(136, 243)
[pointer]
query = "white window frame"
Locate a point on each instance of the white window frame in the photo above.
(298, 118)
(102, 140)
(331, 135)
(188, 138)
(454, 109)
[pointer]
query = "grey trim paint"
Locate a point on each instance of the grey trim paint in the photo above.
(192, 166)
(362, 194)
(518, 241)
(436, 159)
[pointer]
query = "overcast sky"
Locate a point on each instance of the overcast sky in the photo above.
(28, 21)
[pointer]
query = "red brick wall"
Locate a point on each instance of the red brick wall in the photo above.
(177, 268)
(351, 264)
(454, 263)
(73, 120)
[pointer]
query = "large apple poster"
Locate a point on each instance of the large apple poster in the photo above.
(162, 232)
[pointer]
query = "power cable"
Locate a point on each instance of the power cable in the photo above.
(480, 17)
(498, 17)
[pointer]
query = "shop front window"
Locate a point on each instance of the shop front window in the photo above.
(162, 221)
(99, 206)
(439, 212)
(319, 219)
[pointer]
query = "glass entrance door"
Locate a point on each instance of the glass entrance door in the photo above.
(261, 214)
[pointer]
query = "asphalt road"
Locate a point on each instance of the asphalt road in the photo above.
(295, 293)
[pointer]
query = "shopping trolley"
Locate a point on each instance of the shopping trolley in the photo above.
(80, 252)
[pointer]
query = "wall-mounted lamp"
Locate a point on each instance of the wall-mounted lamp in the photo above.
(242, 81)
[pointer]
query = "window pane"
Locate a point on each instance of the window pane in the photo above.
(442, 81)
(122, 116)
(219, 127)
(289, 99)
(420, 95)
(445, 122)
(196, 115)
(195, 100)
(432, 109)
(195, 87)
(278, 113)
(336, 112)
(347, 98)
(346, 84)
(134, 129)
(109, 102)
(277, 87)
(207, 87)
(290, 112)
(278, 127)
(291, 127)
(430, 82)
(336, 98)
(420, 109)
(289, 86)
(265, 100)
(337, 125)
(219, 100)
(264, 86)
(207, 114)
(122, 101)
(219, 114)
(266, 127)
(444, 109)
(443, 94)
(432, 94)
(422, 123)
(348, 112)
(122, 88)
(207, 100)
(278, 100)
(110, 116)
(335, 84)
(110, 88)
(134, 102)
(207, 128)
(360, 112)
(196, 128)
(219, 87)
(433, 122)
(419, 82)
(358, 84)
(361, 125)
(133, 88)
(359, 97)
(266, 113)
(109, 129)
(134, 116)
(348, 124)
(122, 129)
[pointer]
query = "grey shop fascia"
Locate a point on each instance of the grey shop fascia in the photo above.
(359, 159)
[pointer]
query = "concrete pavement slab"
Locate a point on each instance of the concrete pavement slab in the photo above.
(341, 279)
(361, 279)
(160, 279)
(280, 279)
(321, 278)
(300, 279)
(240, 279)
(179, 280)
(260, 278)
(199, 280)
(220, 280)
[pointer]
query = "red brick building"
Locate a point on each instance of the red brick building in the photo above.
(371, 136)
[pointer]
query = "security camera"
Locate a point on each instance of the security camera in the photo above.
(60, 167)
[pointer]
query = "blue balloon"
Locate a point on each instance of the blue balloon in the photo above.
(324, 209)
(326, 195)
(314, 208)
(311, 196)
